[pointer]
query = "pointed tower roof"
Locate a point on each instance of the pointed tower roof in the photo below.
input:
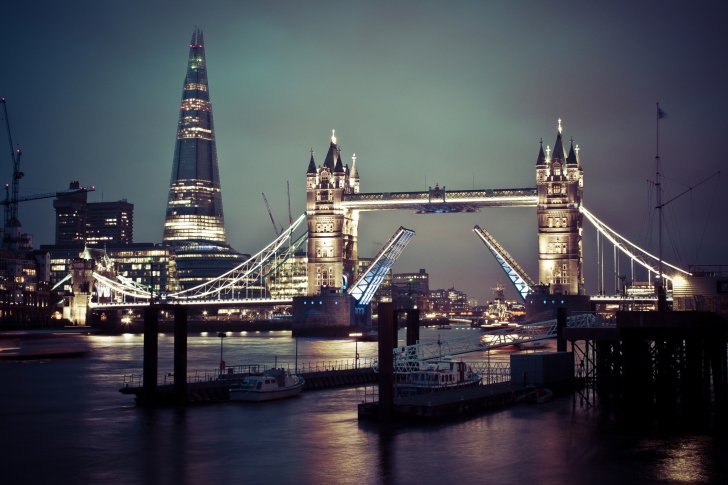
(541, 160)
(559, 147)
(339, 166)
(354, 171)
(311, 164)
(332, 155)
(572, 159)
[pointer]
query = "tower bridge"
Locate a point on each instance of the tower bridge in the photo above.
(336, 294)
(333, 207)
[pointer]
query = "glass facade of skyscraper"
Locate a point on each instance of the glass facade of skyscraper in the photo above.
(194, 206)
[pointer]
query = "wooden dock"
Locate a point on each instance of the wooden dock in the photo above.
(456, 402)
(217, 389)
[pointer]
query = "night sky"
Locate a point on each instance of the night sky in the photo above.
(454, 93)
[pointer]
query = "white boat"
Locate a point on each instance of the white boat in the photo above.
(438, 376)
(271, 384)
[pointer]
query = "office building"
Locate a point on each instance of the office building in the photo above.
(194, 224)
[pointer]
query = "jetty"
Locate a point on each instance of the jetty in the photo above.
(444, 404)
(215, 387)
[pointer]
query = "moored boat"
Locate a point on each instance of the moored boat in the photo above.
(437, 376)
(271, 384)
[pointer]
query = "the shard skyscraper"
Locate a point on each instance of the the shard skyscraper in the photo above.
(194, 225)
(194, 207)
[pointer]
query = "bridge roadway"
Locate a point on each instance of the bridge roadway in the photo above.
(190, 303)
(439, 200)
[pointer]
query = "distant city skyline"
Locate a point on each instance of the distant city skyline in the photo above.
(457, 94)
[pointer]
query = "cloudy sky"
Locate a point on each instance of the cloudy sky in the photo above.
(454, 93)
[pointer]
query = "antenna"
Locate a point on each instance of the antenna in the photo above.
(290, 218)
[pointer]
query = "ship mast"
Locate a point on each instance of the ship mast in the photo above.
(661, 290)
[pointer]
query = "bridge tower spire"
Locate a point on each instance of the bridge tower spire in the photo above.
(560, 184)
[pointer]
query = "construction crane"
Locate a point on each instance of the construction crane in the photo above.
(275, 226)
(47, 195)
(11, 209)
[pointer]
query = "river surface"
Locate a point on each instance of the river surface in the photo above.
(64, 421)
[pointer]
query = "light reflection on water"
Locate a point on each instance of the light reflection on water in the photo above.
(68, 423)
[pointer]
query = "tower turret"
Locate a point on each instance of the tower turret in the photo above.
(559, 180)
(332, 230)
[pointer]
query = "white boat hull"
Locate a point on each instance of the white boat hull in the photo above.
(254, 395)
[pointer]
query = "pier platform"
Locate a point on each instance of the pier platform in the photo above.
(217, 389)
(456, 402)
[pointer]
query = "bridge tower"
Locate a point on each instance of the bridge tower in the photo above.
(560, 184)
(332, 229)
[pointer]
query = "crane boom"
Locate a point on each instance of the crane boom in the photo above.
(275, 227)
(11, 209)
(47, 195)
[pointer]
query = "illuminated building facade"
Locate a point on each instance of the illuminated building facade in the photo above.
(450, 301)
(560, 183)
(332, 230)
(290, 278)
(110, 222)
(24, 289)
(79, 221)
(413, 285)
(71, 210)
(194, 206)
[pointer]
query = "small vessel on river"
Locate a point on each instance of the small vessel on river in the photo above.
(271, 384)
(438, 376)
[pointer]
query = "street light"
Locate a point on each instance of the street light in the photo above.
(222, 362)
(356, 348)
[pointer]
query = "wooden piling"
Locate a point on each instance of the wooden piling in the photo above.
(180, 355)
(151, 352)
(386, 362)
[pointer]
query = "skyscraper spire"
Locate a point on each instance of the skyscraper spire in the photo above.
(194, 206)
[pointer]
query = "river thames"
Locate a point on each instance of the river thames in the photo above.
(64, 421)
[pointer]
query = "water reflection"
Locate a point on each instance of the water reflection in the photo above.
(82, 430)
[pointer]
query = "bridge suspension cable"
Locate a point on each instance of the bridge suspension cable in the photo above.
(634, 252)
(237, 280)
(254, 269)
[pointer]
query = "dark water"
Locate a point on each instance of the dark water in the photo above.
(64, 421)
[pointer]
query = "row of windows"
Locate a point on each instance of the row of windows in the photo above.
(197, 86)
(557, 248)
(324, 227)
(325, 277)
(195, 104)
(557, 221)
(324, 252)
